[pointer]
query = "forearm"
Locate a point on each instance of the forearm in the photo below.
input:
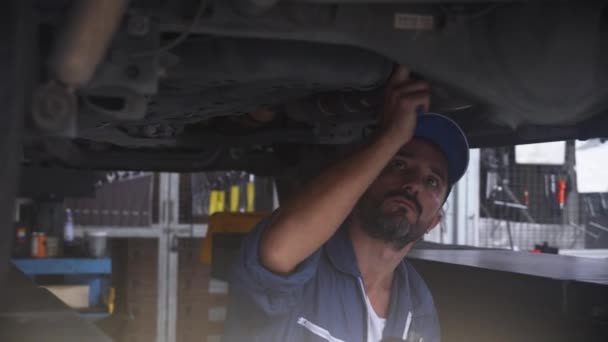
(310, 218)
(304, 224)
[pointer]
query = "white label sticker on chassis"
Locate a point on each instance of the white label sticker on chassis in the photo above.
(409, 21)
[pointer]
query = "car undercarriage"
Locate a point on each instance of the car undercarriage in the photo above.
(192, 85)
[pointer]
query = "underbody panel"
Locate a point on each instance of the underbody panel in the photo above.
(185, 80)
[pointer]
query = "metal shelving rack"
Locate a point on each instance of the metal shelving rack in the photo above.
(168, 231)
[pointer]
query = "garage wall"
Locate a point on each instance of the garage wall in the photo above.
(201, 302)
(142, 290)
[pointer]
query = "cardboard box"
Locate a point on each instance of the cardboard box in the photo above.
(74, 296)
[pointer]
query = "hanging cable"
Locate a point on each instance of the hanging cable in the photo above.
(179, 39)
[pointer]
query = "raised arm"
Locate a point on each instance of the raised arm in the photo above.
(311, 217)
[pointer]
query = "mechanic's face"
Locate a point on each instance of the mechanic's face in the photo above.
(404, 202)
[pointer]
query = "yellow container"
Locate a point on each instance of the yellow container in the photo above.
(227, 223)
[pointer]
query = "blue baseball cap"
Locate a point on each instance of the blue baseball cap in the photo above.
(449, 137)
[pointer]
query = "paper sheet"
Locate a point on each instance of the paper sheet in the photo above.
(592, 166)
(551, 153)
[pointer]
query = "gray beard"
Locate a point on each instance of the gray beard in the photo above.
(393, 230)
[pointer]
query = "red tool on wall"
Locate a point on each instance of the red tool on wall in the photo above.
(561, 193)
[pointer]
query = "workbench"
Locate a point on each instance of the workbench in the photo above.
(498, 295)
(30, 313)
(92, 272)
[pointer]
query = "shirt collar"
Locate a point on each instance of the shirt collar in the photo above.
(341, 254)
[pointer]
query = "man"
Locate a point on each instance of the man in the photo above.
(329, 265)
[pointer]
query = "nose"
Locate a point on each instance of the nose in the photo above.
(412, 189)
(412, 181)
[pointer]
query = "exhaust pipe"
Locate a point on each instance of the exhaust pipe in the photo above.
(76, 54)
(85, 41)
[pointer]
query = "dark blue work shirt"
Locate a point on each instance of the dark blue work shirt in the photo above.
(323, 300)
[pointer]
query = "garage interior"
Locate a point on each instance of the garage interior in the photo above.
(162, 269)
(144, 256)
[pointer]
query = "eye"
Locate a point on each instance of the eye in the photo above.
(398, 164)
(433, 182)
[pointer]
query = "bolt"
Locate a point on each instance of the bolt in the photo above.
(54, 108)
(150, 131)
(236, 153)
(132, 72)
(138, 25)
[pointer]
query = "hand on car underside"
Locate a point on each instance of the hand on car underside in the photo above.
(403, 98)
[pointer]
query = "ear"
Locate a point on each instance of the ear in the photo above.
(435, 221)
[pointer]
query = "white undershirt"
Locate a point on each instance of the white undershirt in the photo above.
(375, 324)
